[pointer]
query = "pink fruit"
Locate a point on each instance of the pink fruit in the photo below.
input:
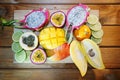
(36, 19)
(38, 56)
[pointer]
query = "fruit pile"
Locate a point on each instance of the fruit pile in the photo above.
(75, 34)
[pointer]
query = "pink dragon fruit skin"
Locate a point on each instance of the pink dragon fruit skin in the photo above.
(87, 13)
(45, 14)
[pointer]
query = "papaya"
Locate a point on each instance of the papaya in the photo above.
(77, 55)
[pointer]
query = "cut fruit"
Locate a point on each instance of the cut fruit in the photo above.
(92, 19)
(96, 40)
(36, 19)
(97, 34)
(28, 56)
(77, 55)
(16, 36)
(38, 56)
(20, 57)
(93, 54)
(28, 41)
(58, 53)
(16, 47)
(83, 32)
(51, 37)
(96, 27)
(58, 19)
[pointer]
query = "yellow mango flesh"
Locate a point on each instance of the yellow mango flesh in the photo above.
(51, 37)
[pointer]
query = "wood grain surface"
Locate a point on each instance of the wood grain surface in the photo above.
(109, 15)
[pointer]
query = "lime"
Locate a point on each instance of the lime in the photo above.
(97, 34)
(16, 47)
(92, 19)
(96, 26)
(20, 57)
(96, 40)
(16, 36)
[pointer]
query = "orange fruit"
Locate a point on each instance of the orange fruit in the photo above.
(83, 32)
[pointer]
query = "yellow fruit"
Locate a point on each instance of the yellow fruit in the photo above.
(51, 37)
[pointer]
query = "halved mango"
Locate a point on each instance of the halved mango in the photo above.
(77, 55)
(93, 54)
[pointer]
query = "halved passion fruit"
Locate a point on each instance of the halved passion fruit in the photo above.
(38, 56)
(28, 41)
(58, 19)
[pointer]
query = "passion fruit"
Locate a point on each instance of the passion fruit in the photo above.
(28, 41)
(38, 56)
(58, 19)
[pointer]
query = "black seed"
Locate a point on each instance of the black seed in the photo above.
(24, 39)
(91, 53)
(31, 37)
(30, 44)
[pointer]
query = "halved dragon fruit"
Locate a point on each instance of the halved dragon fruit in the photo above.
(38, 56)
(58, 19)
(36, 19)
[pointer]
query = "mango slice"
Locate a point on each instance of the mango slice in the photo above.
(92, 54)
(76, 53)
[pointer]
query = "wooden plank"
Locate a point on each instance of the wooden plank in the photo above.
(58, 74)
(111, 36)
(61, 1)
(111, 59)
(109, 14)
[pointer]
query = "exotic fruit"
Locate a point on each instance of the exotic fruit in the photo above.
(38, 56)
(51, 37)
(36, 19)
(58, 19)
(83, 32)
(28, 41)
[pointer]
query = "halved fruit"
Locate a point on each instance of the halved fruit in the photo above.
(93, 54)
(28, 41)
(16, 47)
(20, 56)
(16, 36)
(58, 53)
(77, 55)
(51, 37)
(38, 56)
(58, 19)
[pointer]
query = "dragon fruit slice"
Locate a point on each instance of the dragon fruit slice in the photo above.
(36, 19)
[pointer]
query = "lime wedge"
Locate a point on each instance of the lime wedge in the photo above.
(16, 36)
(96, 40)
(98, 34)
(96, 27)
(20, 57)
(92, 19)
(16, 47)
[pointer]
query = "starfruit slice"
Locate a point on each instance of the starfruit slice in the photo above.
(76, 53)
(93, 54)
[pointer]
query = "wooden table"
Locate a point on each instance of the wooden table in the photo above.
(110, 46)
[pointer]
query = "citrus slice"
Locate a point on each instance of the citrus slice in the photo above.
(20, 57)
(96, 26)
(92, 19)
(98, 34)
(16, 47)
(28, 55)
(96, 40)
(16, 36)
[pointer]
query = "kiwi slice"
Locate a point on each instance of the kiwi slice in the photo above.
(95, 27)
(97, 34)
(96, 40)
(16, 47)
(16, 36)
(20, 57)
